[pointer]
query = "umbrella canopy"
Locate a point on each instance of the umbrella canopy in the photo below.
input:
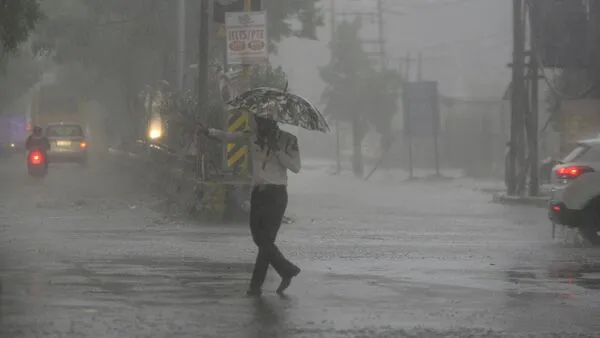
(281, 106)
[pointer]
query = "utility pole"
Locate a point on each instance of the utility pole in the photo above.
(180, 44)
(338, 160)
(516, 116)
(381, 32)
(203, 55)
(407, 62)
(534, 179)
(404, 65)
(380, 40)
(247, 8)
(420, 67)
(201, 114)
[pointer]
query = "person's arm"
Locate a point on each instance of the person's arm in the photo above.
(289, 157)
(28, 143)
(238, 136)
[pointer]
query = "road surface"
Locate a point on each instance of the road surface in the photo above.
(84, 255)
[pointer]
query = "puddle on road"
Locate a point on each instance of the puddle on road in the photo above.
(157, 282)
(585, 275)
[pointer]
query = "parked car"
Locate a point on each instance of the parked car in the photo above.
(575, 190)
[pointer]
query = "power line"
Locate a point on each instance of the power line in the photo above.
(542, 67)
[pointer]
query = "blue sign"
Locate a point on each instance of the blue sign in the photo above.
(421, 108)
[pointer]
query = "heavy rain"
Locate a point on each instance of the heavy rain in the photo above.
(399, 168)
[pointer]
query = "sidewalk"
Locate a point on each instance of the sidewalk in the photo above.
(503, 198)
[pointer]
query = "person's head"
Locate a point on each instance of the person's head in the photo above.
(265, 126)
(37, 131)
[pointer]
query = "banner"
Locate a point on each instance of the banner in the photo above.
(246, 38)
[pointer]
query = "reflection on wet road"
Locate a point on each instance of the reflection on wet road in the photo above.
(84, 255)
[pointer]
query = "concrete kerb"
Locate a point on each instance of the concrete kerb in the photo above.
(502, 198)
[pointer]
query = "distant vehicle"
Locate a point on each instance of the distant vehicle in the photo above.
(12, 134)
(575, 190)
(67, 143)
(54, 103)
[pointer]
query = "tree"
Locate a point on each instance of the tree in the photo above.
(130, 44)
(356, 92)
(18, 68)
(268, 76)
(17, 20)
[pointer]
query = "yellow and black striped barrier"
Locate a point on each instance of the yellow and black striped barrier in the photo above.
(237, 153)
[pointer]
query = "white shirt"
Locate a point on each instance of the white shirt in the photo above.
(269, 166)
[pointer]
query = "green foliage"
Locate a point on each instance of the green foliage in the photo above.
(130, 44)
(17, 20)
(278, 11)
(268, 77)
(135, 39)
(356, 91)
(20, 73)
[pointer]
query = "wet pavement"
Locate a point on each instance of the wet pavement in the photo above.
(84, 255)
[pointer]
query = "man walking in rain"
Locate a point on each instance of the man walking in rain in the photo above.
(274, 152)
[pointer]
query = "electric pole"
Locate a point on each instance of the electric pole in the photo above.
(408, 138)
(180, 44)
(516, 116)
(380, 40)
(420, 67)
(534, 180)
(202, 114)
(404, 65)
(381, 32)
(203, 55)
(338, 160)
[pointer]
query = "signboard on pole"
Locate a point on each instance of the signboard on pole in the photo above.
(246, 38)
(421, 108)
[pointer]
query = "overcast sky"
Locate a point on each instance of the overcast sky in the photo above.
(466, 44)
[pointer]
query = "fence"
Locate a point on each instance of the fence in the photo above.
(472, 139)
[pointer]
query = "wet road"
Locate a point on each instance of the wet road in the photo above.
(84, 255)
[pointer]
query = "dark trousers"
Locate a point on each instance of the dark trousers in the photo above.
(267, 206)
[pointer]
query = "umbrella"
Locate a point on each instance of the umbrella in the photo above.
(281, 106)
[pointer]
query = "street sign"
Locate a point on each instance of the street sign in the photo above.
(421, 108)
(246, 38)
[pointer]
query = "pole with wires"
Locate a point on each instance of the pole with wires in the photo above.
(516, 116)
(180, 44)
(203, 56)
(381, 29)
(533, 121)
(338, 160)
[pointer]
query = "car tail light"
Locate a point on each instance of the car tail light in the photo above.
(36, 158)
(572, 172)
(82, 145)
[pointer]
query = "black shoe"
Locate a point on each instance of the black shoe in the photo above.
(253, 293)
(286, 281)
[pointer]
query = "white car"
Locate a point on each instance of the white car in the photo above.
(575, 191)
(67, 143)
